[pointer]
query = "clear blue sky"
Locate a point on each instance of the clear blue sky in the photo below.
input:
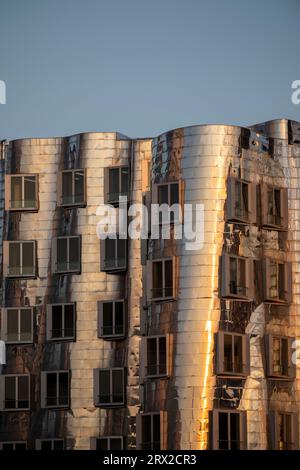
(144, 66)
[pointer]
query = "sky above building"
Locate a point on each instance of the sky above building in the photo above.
(141, 67)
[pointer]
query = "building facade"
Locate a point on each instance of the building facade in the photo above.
(143, 343)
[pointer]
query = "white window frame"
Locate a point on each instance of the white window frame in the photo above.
(4, 325)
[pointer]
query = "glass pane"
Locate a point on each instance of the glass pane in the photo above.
(58, 444)
(146, 432)
(10, 393)
(288, 432)
(63, 388)
(119, 318)
(152, 366)
(157, 279)
(62, 254)
(156, 432)
(26, 324)
(223, 431)
(273, 281)
(56, 322)
(242, 277)
(228, 366)
(284, 356)
(102, 444)
(121, 250)
(124, 181)
(107, 327)
(79, 186)
(281, 287)
(233, 275)
(114, 185)
(104, 386)
(28, 258)
(168, 278)
(110, 253)
(271, 209)
(16, 192)
(20, 446)
(238, 354)
(234, 431)
(174, 193)
(51, 398)
(23, 392)
(29, 191)
(8, 446)
(277, 207)
(69, 321)
(115, 443)
(46, 445)
(163, 194)
(12, 325)
(117, 386)
(14, 258)
(67, 196)
(276, 356)
(162, 356)
(74, 254)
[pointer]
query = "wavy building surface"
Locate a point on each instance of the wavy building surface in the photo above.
(144, 343)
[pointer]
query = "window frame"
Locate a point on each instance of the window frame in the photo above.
(6, 245)
(93, 441)
(155, 191)
(214, 428)
(220, 354)
(163, 430)
(4, 325)
(44, 396)
(163, 288)
(60, 188)
(54, 255)
(231, 201)
(97, 388)
(144, 357)
(114, 335)
(39, 442)
(273, 422)
(226, 290)
(107, 192)
(118, 267)
(8, 199)
(266, 270)
(49, 322)
(2, 392)
(291, 368)
(265, 188)
(14, 443)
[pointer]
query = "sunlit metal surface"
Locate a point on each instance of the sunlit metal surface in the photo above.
(203, 157)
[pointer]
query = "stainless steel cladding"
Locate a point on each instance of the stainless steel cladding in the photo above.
(204, 354)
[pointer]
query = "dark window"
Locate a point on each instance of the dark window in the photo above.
(21, 259)
(115, 254)
(156, 356)
(17, 325)
(118, 184)
(150, 431)
(108, 443)
(233, 353)
(55, 389)
(15, 393)
(277, 281)
(23, 192)
(241, 199)
(109, 386)
(9, 446)
(66, 253)
(73, 187)
(274, 205)
(168, 193)
(228, 430)
(237, 276)
(61, 322)
(279, 353)
(50, 444)
(111, 320)
(162, 279)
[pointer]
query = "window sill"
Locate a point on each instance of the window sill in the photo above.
(163, 299)
(237, 297)
(114, 270)
(157, 377)
(75, 271)
(75, 205)
(15, 410)
(277, 228)
(64, 340)
(277, 302)
(22, 209)
(21, 276)
(110, 405)
(19, 342)
(112, 337)
(285, 378)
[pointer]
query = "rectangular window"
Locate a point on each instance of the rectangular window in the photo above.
(156, 356)
(73, 191)
(241, 201)
(66, 255)
(162, 279)
(151, 431)
(113, 254)
(21, 192)
(15, 392)
(279, 351)
(20, 258)
(55, 389)
(237, 277)
(228, 429)
(277, 281)
(13, 445)
(284, 430)
(232, 353)
(61, 322)
(168, 194)
(49, 444)
(111, 319)
(107, 443)
(17, 325)
(116, 184)
(109, 387)
(274, 205)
